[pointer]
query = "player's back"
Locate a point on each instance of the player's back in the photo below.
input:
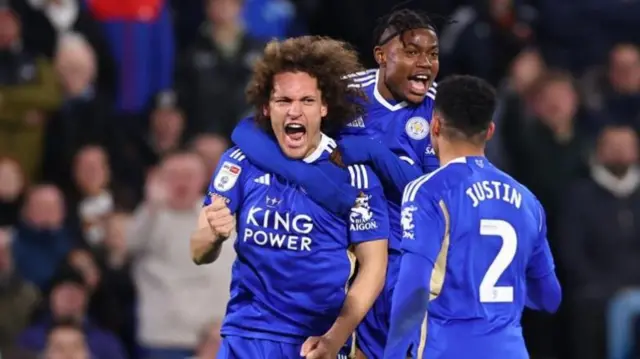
(493, 227)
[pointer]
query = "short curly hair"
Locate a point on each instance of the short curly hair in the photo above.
(327, 60)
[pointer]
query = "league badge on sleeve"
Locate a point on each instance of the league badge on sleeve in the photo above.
(227, 177)
(417, 128)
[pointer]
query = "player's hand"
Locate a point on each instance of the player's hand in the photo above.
(356, 149)
(319, 348)
(220, 219)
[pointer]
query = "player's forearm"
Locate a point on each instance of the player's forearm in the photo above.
(392, 170)
(544, 293)
(410, 303)
(366, 287)
(204, 247)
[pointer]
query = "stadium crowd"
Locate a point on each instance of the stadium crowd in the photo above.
(114, 114)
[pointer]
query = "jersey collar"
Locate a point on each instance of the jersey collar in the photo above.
(327, 144)
(382, 100)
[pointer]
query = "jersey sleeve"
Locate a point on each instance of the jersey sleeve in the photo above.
(541, 262)
(369, 218)
(424, 220)
(227, 180)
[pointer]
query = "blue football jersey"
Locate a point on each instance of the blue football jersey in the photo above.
(403, 127)
(293, 257)
(485, 233)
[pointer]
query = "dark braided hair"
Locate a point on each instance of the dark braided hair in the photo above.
(399, 22)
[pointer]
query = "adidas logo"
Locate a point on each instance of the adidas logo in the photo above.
(264, 179)
(358, 122)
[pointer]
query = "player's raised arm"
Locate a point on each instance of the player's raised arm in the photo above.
(543, 287)
(216, 222)
(392, 169)
(425, 224)
(264, 152)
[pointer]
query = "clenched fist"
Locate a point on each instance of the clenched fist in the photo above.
(219, 216)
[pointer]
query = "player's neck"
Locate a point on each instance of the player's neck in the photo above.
(451, 151)
(382, 87)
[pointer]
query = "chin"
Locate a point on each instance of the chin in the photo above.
(414, 99)
(294, 153)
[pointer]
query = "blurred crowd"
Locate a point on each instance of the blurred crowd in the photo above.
(113, 115)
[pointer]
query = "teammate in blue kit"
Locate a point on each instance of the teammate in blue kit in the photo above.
(292, 290)
(392, 137)
(475, 248)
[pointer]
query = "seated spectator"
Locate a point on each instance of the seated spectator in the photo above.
(41, 240)
(163, 272)
(12, 185)
(29, 90)
(68, 300)
(66, 340)
(599, 235)
(166, 131)
(18, 298)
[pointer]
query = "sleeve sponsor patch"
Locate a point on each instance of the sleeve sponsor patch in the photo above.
(226, 177)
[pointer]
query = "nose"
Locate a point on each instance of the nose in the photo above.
(424, 61)
(295, 110)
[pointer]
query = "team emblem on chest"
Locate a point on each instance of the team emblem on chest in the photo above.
(417, 128)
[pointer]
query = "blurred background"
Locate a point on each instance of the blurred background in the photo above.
(96, 205)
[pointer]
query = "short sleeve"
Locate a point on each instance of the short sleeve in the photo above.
(227, 179)
(541, 262)
(369, 218)
(424, 221)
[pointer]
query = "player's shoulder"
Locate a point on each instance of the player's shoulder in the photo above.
(431, 92)
(363, 177)
(234, 160)
(436, 183)
(363, 79)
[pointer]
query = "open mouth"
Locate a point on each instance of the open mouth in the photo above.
(419, 84)
(295, 134)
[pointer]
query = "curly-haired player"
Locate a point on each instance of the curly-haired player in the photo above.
(401, 94)
(293, 293)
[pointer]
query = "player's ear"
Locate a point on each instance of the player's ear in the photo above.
(379, 55)
(323, 110)
(435, 126)
(490, 131)
(265, 111)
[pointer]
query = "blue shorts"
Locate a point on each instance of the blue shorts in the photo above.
(234, 347)
(372, 332)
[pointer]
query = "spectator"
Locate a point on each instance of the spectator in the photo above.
(18, 298)
(214, 72)
(85, 117)
(140, 36)
(66, 340)
(552, 149)
(29, 91)
(613, 93)
(68, 301)
(12, 185)
(600, 233)
(47, 22)
(210, 147)
(41, 241)
(515, 106)
(92, 196)
(167, 129)
(484, 37)
(167, 281)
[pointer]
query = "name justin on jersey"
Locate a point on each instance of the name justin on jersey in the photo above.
(270, 228)
(493, 190)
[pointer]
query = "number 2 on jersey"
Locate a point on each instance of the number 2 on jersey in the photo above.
(489, 292)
